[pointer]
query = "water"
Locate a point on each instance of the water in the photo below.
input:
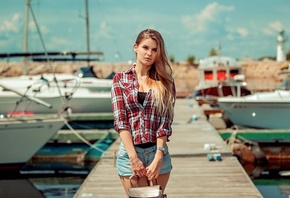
(63, 179)
(273, 188)
(271, 179)
(58, 186)
(33, 180)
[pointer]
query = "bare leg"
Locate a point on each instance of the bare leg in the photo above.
(163, 180)
(126, 183)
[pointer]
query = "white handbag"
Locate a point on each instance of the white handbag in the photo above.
(151, 191)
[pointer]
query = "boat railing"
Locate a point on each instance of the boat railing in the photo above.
(24, 97)
(34, 89)
(235, 86)
(70, 85)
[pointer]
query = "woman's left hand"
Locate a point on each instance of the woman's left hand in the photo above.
(153, 170)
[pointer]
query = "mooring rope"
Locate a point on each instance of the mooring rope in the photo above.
(82, 138)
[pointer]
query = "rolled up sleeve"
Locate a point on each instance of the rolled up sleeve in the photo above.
(118, 106)
(166, 121)
(165, 127)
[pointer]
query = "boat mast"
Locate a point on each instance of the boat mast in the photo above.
(88, 31)
(25, 35)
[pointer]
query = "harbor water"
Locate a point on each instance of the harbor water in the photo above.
(63, 179)
(271, 179)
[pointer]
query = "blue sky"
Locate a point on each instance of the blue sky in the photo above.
(189, 27)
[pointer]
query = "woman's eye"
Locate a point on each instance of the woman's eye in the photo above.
(145, 47)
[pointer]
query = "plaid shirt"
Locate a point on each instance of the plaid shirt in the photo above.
(142, 120)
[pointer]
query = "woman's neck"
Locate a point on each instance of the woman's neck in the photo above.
(142, 70)
(142, 74)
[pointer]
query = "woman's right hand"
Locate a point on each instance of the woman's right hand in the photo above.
(137, 166)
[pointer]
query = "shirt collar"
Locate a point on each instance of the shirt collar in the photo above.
(131, 70)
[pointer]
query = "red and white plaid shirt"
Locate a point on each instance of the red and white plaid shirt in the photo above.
(143, 121)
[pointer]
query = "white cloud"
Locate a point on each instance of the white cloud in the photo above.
(276, 25)
(230, 37)
(243, 32)
(60, 41)
(273, 28)
(10, 25)
(32, 28)
(211, 14)
(233, 33)
(104, 31)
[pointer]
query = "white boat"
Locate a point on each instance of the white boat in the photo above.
(21, 138)
(265, 110)
(79, 95)
(219, 76)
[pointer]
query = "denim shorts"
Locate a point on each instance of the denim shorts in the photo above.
(146, 155)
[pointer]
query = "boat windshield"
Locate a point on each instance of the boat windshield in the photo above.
(85, 72)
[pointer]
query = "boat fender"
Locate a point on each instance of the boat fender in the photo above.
(259, 153)
(243, 153)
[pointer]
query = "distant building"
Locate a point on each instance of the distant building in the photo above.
(281, 39)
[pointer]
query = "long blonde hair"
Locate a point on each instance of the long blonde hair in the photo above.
(160, 74)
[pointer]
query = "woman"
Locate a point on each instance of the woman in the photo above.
(143, 99)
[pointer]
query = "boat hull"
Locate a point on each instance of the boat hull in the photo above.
(264, 110)
(79, 103)
(211, 94)
(20, 139)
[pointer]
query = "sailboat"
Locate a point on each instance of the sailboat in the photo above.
(22, 136)
(81, 94)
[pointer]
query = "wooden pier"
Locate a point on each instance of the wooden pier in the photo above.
(193, 175)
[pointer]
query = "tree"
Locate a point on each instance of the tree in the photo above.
(191, 59)
(213, 52)
(288, 55)
(172, 59)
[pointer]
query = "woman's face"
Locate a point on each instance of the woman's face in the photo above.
(146, 51)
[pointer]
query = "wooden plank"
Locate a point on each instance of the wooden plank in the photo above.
(193, 175)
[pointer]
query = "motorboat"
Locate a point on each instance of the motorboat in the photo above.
(78, 93)
(219, 76)
(68, 92)
(23, 131)
(22, 136)
(264, 110)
